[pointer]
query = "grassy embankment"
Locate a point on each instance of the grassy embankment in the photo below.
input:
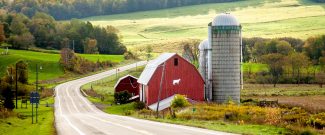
(164, 29)
(21, 121)
(48, 61)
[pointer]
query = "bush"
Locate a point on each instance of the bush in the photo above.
(5, 113)
(317, 121)
(179, 101)
(128, 112)
(122, 97)
(139, 105)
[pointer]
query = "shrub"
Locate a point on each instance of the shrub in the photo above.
(5, 113)
(179, 101)
(122, 97)
(128, 112)
(139, 105)
(317, 121)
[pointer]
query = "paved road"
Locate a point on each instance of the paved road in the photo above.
(74, 115)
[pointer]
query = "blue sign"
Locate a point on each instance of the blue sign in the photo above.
(34, 97)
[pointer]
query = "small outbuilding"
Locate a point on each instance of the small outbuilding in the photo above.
(128, 83)
(180, 77)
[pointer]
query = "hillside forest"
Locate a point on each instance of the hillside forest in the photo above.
(68, 9)
(43, 31)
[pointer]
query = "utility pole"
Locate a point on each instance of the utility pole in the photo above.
(32, 113)
(16, 87)
(160, 89)
(36, 90)
(73, 45)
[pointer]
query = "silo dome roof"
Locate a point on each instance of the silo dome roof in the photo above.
(225, 19)
(204, 44)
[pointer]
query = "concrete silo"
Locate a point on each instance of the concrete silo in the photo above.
(224, 52)
(203, 64)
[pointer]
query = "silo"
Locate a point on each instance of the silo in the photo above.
(203, 67)
(225, 42)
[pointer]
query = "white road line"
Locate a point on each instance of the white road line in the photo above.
(61, 114)
(74, 127)
(127, 127)
(74, 105)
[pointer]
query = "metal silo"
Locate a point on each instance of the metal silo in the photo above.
(203, 66)
(225, 57)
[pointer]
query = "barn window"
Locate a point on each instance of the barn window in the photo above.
(176, 62)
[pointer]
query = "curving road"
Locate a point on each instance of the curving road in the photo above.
(74, 115)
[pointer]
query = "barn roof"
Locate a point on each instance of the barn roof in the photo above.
(163, 104)
(152, 66)
(119, 80)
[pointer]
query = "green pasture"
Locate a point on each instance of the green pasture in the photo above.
(50, 62)
(22, 123)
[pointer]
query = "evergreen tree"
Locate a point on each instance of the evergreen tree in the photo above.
(7, 95)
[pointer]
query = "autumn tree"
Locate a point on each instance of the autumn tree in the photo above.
(272, 46)
(22, 72)
(2, 33)
(297, 62)
(18, 24)
(90, 46)
(191, 51)
(43, 28)
(283, 48)
(66, 59)
(314, 47)
(320, 79)
(23, 41)
(275, 63)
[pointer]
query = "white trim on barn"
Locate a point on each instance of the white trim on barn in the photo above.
(119, 80)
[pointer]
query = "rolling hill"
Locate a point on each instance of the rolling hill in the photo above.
(262, 18)
(48, 61)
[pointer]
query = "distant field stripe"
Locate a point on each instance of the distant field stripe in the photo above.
(289, 19)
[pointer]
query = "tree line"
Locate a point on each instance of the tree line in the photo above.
(289, 60)
(43, 31)
(67, 9)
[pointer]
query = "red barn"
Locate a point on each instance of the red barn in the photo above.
(180, 77)
(128, 83)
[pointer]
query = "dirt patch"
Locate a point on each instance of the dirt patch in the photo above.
(101, 106)
(310, 103)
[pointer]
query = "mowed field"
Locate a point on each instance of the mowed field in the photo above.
(308, 96)
(262, 18)
(50, 62)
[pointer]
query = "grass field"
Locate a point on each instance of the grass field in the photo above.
(48, 61)
(22, 125)
(262, 18)
(282, 90)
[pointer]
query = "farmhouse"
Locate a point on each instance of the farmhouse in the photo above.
(175, 75)
(128, 83)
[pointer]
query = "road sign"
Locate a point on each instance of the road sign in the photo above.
(34, 98)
